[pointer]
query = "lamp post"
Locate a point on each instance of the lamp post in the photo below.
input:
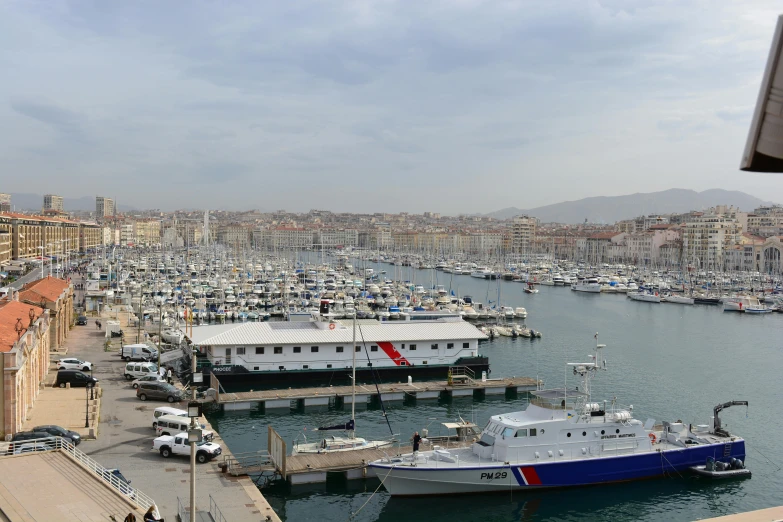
(43, 252)
(87, 407)
(194, 434)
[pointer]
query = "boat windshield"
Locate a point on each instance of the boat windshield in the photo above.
(557, 399)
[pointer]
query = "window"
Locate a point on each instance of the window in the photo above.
(568, 435)
(297, 349)
(508, 432)
(259, 350)
(328, 365)
(358, 349)
(403, 363)
(313, 349)
(403, 346)
(435, 346)
(179, 440)
(369, 364)
(413, 347)
(339, 349)
(305, 366)
(584, 434)
(278, 350)
(532, 432)
(281, 368)
(373, 348)
(466, 345)
(255, 367)
(450, 346)
(521, 433)
(241, 351)
(425, 362)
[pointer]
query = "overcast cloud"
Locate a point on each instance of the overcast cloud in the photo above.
(450, 106)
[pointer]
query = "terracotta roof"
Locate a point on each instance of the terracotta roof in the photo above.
(10, 311)
(50, 288)
(663, 226)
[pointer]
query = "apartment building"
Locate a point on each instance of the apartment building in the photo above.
(104, 207)
(523, 233)
(52, 202)
(705, 238)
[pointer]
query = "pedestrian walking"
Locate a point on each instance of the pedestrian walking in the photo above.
(168, 375)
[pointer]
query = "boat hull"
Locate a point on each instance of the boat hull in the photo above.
(239, 378)
(422, 481)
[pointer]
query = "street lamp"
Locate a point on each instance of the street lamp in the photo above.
(87, 407)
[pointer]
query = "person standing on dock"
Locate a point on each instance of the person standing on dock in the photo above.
(416, 440)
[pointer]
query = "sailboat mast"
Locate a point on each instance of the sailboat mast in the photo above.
(353, 379)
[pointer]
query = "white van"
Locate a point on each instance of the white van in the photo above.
(173, 424)
(166, 410)
(134, 370)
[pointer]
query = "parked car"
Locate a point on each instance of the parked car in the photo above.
(173, 424)
(74, 364)
(59, 431)
(178, 444)
(155, 377)
(75, 378)
(159, 390)
(81, 320)
(29, 435)
(166, 410)
(118, 480)
(29, 447)
(140, 369)
(138, 352)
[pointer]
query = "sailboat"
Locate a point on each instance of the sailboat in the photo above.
(348, 442)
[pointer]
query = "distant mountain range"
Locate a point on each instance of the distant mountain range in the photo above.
(609, 209)
(35, 202)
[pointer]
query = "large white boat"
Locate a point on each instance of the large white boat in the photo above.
(318, 349)
(481, 272)
(744, 304)
(562, 439)
(589, 285)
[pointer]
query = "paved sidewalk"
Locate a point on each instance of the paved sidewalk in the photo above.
(66, 408)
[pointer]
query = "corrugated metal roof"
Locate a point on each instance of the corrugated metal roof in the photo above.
(263, 334)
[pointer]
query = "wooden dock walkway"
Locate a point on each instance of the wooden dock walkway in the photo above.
(294, 397)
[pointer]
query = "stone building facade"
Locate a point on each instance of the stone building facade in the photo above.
(24, 359)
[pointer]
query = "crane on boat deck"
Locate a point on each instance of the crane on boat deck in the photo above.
(717, 428)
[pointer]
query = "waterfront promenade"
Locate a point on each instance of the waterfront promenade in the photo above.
(123, 437)
(124, 440)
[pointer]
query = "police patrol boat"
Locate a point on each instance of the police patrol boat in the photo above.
(561, 439)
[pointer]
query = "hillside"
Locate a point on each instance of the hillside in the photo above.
(608, 209)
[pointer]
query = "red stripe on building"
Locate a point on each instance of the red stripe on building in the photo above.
(531, 477)
(389, 349)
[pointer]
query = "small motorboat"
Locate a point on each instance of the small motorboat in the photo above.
(713, 469)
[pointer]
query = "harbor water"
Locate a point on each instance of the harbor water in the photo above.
(670, 361)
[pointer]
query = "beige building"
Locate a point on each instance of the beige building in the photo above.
(523, 233)
(56, 296)
(5, 202)
(6, 233)
(24, 359)
(52, 202)
(104, 207)
(90, 236)
(147, 232)
(706, 237)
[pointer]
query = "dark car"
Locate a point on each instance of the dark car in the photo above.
(21, 442)
(116, 478)
(81, 320)
(58, 431)
(159, 390)
(75, 377)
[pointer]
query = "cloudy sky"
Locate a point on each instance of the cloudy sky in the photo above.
(449, 106)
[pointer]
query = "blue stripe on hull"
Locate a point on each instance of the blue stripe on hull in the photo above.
(629, 467)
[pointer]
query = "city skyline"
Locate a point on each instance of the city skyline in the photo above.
(461, 108)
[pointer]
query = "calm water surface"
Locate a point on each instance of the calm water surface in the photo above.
(670, 361)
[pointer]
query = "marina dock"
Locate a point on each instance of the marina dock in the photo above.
(294, 398)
